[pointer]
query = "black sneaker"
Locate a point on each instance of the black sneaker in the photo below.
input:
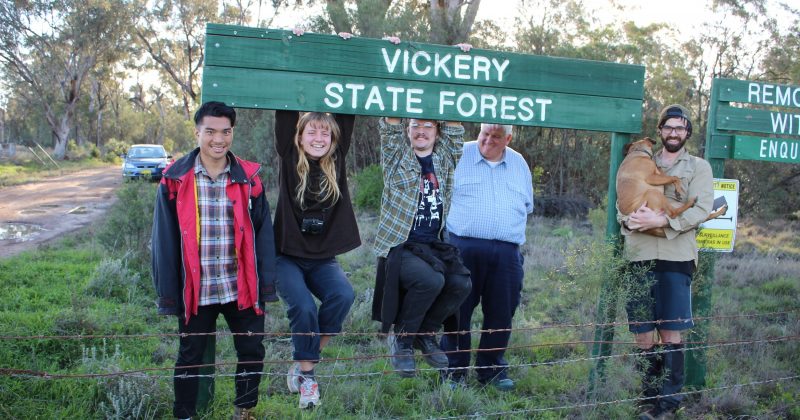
(402, 357)
(430, 351)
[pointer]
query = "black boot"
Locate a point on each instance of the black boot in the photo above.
(651, 366)
(667, 404)
(431, 352)
(402, 355)
(674, 365)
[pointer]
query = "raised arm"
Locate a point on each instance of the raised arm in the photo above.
(452, 140)
(393, 142)
(345, 123)
(285, 129)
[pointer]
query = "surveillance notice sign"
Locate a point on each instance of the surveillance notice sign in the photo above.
(718, 234)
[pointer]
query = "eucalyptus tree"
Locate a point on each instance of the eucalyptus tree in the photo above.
(767, 188)
(565, 161)
(51, 47)
(731, 45)
(172, 33)
(437, 21)
(781, 64)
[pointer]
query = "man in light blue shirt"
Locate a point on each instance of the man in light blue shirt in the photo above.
(492, 198)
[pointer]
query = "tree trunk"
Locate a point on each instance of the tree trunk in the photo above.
(99, 129)
(448, 27)
(61, 134)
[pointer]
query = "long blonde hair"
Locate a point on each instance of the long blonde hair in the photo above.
(328, 187)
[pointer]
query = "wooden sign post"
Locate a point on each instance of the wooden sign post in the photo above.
(274, 69)
(767, 109)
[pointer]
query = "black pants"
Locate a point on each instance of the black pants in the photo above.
(429, 295)
(248, 349)
(496, 271)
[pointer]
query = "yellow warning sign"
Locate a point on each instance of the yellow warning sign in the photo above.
(724, 185)
(715, 239)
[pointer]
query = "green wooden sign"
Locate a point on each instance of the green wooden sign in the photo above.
(274, 69)
(758, 121)
(761, 93)
(270, 89)
(768, 149)
(771, 108)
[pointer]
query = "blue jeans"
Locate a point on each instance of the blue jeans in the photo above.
(661, 295)
(299, 281)
(496, 271)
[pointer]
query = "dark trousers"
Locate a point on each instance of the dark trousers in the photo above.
(248, 349)
(299, 280)
(429, 295)
(496, 271)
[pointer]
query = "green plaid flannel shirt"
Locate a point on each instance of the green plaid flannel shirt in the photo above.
(401, 178)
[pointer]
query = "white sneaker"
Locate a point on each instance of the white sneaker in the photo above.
(309, 392)
(293, 378)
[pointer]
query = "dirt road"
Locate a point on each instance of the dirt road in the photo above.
(35, 213)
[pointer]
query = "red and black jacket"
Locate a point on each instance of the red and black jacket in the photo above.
(175, 251)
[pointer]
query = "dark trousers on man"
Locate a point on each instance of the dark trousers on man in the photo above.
(429, 297)
(496, 271)
(249, 350)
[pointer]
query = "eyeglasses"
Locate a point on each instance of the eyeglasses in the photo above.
(679, 130)
(427, 124)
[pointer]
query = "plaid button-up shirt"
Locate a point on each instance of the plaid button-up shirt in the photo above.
(401, 178)
(218, 267)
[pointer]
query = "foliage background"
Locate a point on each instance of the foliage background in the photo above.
(136, 79)
(96, 92)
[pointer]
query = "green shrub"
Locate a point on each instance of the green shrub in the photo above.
(83, 151)
(123, 397)
(112, 280)
(369, 186)
(128, 223)
(113, 149)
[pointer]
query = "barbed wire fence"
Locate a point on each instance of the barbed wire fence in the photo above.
(353, 366)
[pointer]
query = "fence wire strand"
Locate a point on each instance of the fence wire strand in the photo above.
(24, 373)
(618, 401)
(338, 363)
(381, 334)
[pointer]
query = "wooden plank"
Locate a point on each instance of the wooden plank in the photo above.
(761, 93)
(766, 149)
(758, 121)
(268, 89)
(272, 49)
(720, 147)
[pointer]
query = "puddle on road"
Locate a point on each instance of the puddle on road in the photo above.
(20, 232)
(32, 211)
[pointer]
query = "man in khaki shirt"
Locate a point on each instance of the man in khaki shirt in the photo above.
(663, 267)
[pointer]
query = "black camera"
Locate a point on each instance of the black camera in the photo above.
(312, 226)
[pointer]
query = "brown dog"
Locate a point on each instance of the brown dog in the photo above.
(640, 181)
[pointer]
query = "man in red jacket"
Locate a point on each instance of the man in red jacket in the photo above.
(213, 252)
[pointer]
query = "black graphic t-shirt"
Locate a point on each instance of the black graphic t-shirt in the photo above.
(429, 208)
